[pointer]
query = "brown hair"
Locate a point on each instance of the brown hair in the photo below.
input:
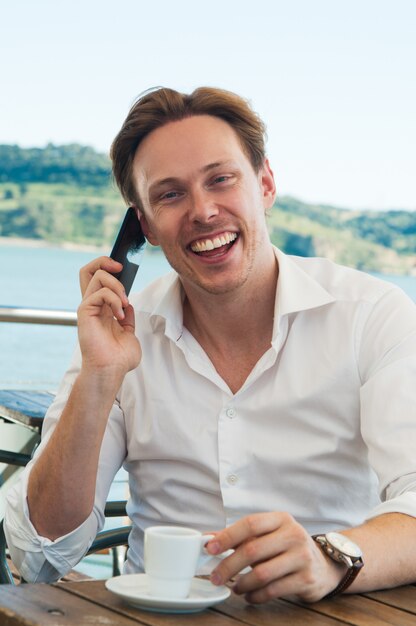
(162, 105)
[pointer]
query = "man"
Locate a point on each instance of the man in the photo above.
(262, 397)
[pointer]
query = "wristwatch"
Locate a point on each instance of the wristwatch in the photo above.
(342, 550)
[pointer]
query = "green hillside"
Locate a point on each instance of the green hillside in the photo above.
(60, 212)
(71, 163)
(383, 241)
(64, 194)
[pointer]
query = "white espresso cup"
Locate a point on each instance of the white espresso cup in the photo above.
(172, 555)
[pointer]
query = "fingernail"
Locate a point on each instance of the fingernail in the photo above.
(216, 579)
(214, 547)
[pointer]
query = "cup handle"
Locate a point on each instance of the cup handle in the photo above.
(205, 539)
(222, 555)
(212, 559)
(209, 561)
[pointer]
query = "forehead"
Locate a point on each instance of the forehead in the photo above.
(180, 147)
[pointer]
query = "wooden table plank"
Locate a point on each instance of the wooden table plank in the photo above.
(45, 605)
(359, 610)
(401, 597)
(275, 612)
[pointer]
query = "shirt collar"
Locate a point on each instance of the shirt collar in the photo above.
(167, 310)
(296, 291)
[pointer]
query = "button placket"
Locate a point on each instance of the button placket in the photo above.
(228, 456)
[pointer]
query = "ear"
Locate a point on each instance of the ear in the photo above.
(268, 184)
(148, 233)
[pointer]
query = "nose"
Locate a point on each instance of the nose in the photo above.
(202, 206)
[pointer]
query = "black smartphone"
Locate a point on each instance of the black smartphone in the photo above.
(128, 248)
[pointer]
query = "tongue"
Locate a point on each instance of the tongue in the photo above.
(216, 251)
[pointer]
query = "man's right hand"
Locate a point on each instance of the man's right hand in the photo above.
(70, 457)
(106, 320)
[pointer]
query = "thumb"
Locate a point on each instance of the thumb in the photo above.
(128, 323)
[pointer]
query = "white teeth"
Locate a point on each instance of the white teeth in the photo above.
(211, 244)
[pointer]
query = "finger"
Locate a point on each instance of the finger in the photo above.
(128, 323)
(102, 279)
(246, 528)
(271, 535)
(94, 305)
(293, 573)
(287, 586)
(265, 572)
(249, 553)
(87, 272)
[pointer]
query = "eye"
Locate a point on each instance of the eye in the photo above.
(221, 179)
(170, 195)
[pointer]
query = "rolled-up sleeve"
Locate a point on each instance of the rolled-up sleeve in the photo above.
(387, 360)
(37, 558)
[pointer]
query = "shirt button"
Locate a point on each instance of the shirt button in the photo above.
(230, 413)
(232, 479)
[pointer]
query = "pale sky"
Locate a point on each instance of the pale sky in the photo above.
(334, 80)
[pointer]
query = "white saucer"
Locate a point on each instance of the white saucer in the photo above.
(133, 588)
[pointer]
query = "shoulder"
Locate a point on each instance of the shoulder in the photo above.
(345, 283)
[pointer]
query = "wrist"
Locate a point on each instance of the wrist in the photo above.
(100, 384)
(107, 379)
(345, 556)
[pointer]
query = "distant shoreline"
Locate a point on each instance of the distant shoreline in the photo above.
(105, 250)
(41, 243)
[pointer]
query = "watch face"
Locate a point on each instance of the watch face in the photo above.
(344, 544)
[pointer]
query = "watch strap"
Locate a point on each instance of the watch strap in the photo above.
(345, 582)
(352, 570)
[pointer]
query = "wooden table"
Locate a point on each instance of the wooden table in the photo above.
(89, 602)
(25, 409)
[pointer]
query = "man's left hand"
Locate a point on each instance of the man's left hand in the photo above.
(284, 559)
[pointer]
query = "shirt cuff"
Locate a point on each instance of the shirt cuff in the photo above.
(38, 558)
(403, 503)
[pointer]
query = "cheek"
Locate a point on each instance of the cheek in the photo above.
(168, 230)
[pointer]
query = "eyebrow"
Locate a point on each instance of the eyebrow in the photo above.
(174, 180)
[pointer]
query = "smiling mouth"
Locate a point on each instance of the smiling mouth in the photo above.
(217, 244)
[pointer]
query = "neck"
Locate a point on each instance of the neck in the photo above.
(238, 324)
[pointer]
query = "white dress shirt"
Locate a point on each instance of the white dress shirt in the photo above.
(324, 427)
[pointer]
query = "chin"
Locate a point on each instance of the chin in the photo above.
(219, 287)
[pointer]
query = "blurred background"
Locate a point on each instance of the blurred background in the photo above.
(334, 80)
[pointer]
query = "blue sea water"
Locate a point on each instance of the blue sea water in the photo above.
(36, 356)
(33, 355)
